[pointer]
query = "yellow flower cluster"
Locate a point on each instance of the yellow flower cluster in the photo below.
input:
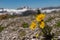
(42, 25)
(40, 17)
(33, 25)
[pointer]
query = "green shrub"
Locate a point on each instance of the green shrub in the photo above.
(1, 28)
(25, 25)
(58, 24)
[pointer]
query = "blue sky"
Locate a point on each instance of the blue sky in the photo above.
(31, 3)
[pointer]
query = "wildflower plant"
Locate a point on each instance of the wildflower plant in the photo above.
(42, 25)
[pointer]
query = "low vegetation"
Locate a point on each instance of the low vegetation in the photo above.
(6, 16)
(58, 24)
(25, 25)
(1, 28)
(49, 19)
(22, 33)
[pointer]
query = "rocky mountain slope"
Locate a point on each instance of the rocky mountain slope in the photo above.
(11, 27)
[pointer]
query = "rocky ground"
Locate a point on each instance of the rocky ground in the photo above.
(12, 28)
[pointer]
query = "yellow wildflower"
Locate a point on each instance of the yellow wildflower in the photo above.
(40, 17)
(42, 25)
(33, 25)
(37, 35)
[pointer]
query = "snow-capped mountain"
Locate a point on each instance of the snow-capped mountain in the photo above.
(11, 11)
(50, 9)
(27, 10)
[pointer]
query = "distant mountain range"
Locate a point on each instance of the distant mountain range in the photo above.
(50, 8)
(28, 10)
